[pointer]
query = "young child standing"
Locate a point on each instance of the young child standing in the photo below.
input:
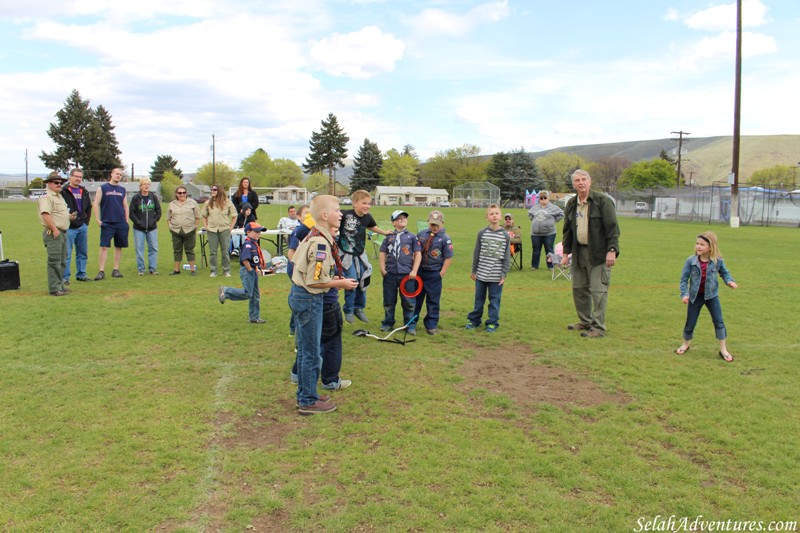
(317, 269)
(437, 254)
(491, 261)
(252, 261)
(352, 241)
(400, 256)
(699, 287)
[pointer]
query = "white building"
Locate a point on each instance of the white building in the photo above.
(421, 196)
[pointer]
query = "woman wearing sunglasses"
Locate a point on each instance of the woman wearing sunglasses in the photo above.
(184, 217)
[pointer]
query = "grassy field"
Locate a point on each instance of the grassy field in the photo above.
(142, 404)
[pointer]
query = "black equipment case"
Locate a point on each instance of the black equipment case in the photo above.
(9, 271)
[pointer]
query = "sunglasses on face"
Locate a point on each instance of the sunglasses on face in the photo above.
(214, 190)
(180, 193)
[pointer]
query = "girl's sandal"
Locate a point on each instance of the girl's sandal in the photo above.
(728, 358)
(681, 350)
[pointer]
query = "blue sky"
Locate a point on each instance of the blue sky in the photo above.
(498, 74)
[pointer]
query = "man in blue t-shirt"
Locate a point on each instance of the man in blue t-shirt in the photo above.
(111, 212)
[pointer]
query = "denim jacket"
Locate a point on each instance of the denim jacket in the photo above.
(690, 278)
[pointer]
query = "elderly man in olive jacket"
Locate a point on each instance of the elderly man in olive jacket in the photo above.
(591, 235)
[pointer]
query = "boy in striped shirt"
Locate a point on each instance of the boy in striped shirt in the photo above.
(490, 264)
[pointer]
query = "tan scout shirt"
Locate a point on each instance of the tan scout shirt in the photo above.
(183, 216)
(218, 219)
(314, 263)
(54, 203)
(582, 227)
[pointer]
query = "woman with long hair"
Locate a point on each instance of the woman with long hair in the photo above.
(245, 194)
(219, 216)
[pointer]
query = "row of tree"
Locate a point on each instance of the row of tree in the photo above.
(84, 137)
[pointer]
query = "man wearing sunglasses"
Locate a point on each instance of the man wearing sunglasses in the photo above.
(55, 218)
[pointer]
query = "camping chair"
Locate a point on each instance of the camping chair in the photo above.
(377, 238)
(516, 254)
(558, 270)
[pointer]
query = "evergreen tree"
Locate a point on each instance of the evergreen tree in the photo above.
(103, 152)
(328, 149)
(84, 138)
(514, 172)
(162, 164)
(71, 132)
(367, 167)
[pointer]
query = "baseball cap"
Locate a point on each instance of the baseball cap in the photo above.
(436, 217)
(508, 215)
(398, 213)
(253, 226)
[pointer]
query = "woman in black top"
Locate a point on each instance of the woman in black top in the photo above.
(245, 194)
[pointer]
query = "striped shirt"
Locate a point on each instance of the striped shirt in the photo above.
(491, 259)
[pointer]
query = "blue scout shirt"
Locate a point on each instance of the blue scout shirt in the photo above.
(250, 252)
(400, 249)
(437, 251)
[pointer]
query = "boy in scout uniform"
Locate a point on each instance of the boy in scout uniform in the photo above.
(252, 263)
(400, 257)
(437, 254)
(55, 218)
(317, 269)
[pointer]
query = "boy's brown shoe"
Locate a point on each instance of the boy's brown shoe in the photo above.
(318, 407)
(579, 327)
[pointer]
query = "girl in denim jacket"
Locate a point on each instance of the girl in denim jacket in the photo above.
(699, 285)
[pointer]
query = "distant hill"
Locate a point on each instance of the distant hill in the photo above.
(708, 159)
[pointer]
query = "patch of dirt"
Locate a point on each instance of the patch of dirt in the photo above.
(264, 429)
(513, 372)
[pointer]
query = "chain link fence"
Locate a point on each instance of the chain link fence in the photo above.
(758, 205)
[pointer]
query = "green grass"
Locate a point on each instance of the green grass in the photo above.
(142, 404)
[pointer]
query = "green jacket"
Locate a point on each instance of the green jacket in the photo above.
(603, 227)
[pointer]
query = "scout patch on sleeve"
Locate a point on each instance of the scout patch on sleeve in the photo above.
(320, 257)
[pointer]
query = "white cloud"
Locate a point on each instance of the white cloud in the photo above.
(723, 17)
(357, 55)
(723, 48)
(441, 22)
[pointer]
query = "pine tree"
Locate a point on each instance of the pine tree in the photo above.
(366, 167)
(514, 172)
(328, 149)
(104, 149)
(162, 164)
(84, 138)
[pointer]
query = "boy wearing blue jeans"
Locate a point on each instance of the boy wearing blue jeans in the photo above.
(317, 269)
(490, 264)
(437, 254)
(252, 262)
(400, 256)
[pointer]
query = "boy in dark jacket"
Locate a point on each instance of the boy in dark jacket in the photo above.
(245, 217)
(78, 202)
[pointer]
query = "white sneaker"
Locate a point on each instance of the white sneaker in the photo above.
(343, 384)
(227, 274)
(212, 275)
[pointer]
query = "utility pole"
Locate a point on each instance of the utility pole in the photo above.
(26, 169)
(680, 135)
(737, 114)
(133, 173)
(213, 159)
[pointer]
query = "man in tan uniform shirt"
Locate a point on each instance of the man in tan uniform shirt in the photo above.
(55, 217)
